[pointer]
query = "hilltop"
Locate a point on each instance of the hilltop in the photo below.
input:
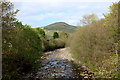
(61, 26)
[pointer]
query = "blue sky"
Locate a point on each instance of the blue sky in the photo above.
(39, 13)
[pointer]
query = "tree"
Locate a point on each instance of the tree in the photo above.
(7, 19)
(63, 34)
(7, 13)
(55, 35)
(111, 19)
(18, 24)
(41, 32)
(88, 19)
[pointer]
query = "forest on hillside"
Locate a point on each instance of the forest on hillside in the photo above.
(96, 44)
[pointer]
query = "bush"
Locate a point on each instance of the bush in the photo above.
(63, 35)
(59, 43)
(41, 32)
(92, 44)
(20, 53)
(53, 44)
(48, 45)
(55, 35)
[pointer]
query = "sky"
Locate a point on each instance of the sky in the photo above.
(39, 13)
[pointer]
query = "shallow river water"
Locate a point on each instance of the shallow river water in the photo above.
(56, 65)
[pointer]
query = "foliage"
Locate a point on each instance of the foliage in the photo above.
(18, 24)
(60, 43)
(49, 45)
(63, 34)
(55, 35)
(88, 19)
(97, 44)
(92, 45)
(41, 32)
(21, 46)
(7, 13)
(111, 65)
(53, 44)
(111, 20)
(7, 19)
(21, 53)
(49, 34)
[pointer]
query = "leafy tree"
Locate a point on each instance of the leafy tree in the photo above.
(55, 35)
(112, 22)
(88, 19)
(41, 31)
(95, 43)
(7, 20)
(8, 14)
(111, 19)
(19, 24)
(8, 31)
(21, 47)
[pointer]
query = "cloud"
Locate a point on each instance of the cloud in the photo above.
(43, 12)
(58, 1)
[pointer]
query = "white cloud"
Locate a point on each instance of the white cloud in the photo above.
(58, 1)
(72, 21)
(70, 11)
(43, 16)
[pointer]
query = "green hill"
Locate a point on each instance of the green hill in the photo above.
(60, 26)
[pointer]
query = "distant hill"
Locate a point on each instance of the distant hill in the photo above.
(60, 26)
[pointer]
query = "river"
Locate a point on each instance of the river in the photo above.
(59, 64)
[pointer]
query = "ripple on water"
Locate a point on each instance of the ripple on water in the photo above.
(56, 69)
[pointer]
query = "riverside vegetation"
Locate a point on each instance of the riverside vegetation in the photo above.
(96, 44)
(22, 45)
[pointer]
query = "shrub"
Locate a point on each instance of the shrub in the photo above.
(63, 35)
(22, 52)
(97, 45)
(48, 45)
(41, 32)
(55, 35)
(92, 44)
(60, 43)
(53, 44)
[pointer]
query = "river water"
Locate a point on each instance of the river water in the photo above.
(56, 65)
